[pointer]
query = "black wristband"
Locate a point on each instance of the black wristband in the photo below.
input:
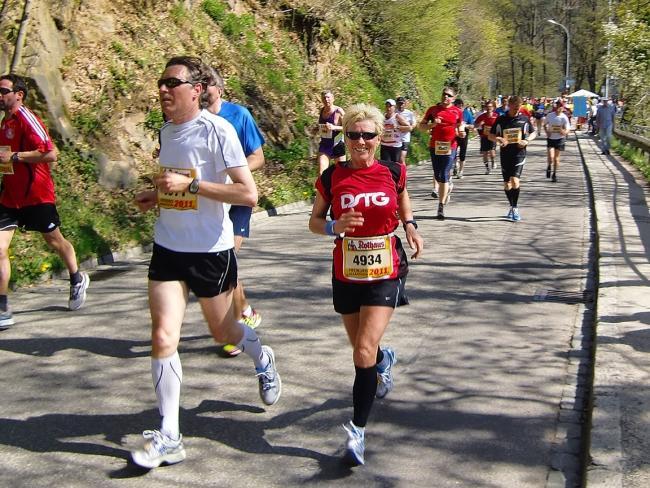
(15, 158)
(415, 224)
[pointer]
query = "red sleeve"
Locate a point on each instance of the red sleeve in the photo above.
(34, 133)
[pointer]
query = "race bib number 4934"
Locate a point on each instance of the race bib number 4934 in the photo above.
(367, 258)
(179, 200)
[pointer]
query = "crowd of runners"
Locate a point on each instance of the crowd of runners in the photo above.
(204, 192)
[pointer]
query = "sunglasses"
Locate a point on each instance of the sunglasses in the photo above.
(4, 90)
(355, 136)
(448, 95)
(172, 82)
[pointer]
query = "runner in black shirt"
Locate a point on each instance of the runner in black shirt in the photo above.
(513, 132)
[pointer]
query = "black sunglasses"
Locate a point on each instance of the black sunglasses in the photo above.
(449, 95)
(355, 136)
(172, 82)
(4, 90)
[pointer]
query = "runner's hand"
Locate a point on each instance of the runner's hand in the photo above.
(348, 221)
(414, 240)
(146, 200)
(170, 182)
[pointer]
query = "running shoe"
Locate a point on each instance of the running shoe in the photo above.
(515, 214)
(554, 179)
(355, 446)
(487, 169)
(455, 171)
(78, 292)
(158, 449)
(509, 216)
(548, 172)
(6, 319)
(231, 350)
(494, 165)
(460, 175)
(434, 194)
(385, 377)
(441, 212)
(269, 379)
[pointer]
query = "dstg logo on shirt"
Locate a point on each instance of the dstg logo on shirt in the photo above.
(379, 199)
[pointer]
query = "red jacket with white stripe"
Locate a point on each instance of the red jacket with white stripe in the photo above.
(30, 183)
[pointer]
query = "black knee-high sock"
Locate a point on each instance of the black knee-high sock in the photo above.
(515, 196)
(363, 394)
(509, 195)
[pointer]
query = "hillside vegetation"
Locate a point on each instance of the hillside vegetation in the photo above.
(93, 65)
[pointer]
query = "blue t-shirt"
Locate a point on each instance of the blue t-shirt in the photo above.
(468, 116)
(241, 119)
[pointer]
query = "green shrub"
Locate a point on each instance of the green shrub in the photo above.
(234, 25)
(153, 121)
(215, 9)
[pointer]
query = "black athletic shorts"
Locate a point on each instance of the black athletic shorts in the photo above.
(487, 144)
(40, 218)
(406, 145)
(512, 167)
(207, 274)
(558, 144)
(350, 297)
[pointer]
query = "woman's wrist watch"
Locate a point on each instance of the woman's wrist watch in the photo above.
(406, 222)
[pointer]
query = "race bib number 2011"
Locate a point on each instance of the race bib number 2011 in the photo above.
(179, 200)
(367, 258)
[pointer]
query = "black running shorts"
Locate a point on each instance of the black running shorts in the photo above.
(350, 297)
(42, 218)
(207, 274)
(487, 144)
(556, 143)
(512, 167)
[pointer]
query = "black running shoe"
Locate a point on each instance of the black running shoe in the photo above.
(548, 172)
(441, 212)
(434, 194)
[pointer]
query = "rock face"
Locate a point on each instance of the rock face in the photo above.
(93, 66)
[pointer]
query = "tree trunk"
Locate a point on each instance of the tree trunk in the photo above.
(20, 40)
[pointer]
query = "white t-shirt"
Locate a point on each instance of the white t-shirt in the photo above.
(410, 118)
(554, 122)
(392, 136)
(201, 148)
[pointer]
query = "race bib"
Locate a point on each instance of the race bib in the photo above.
(556, 129)
(513, 136)
(6, 168)
(179, 200)
(324, 132)
(389, 135)
(442, 148)
(367, 258)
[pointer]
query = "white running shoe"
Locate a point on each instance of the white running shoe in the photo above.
(158, 449)
(385, 377)
(6, 319)
(78, 292)
(355, 446)
(270, 381)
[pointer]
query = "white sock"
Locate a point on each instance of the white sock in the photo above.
(167, 375)
(248, 312)
(251, 345)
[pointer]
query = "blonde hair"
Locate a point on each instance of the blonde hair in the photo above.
(360, 112)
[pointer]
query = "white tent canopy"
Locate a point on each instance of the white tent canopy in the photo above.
(584, 93)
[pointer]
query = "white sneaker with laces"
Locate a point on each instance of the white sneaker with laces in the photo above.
(270, 381)
(78, 292)
(385, 377)
(355, 446)
(158, 449)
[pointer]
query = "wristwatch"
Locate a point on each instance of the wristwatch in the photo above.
(15, 158)
(415, 224)
(194, 186)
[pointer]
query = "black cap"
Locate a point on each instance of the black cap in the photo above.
(400, 99)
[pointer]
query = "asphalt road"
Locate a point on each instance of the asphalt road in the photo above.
(486, 386)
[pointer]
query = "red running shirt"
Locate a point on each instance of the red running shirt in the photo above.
(373, 191)
(31, 183)
(488, 121)
(445, 131)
